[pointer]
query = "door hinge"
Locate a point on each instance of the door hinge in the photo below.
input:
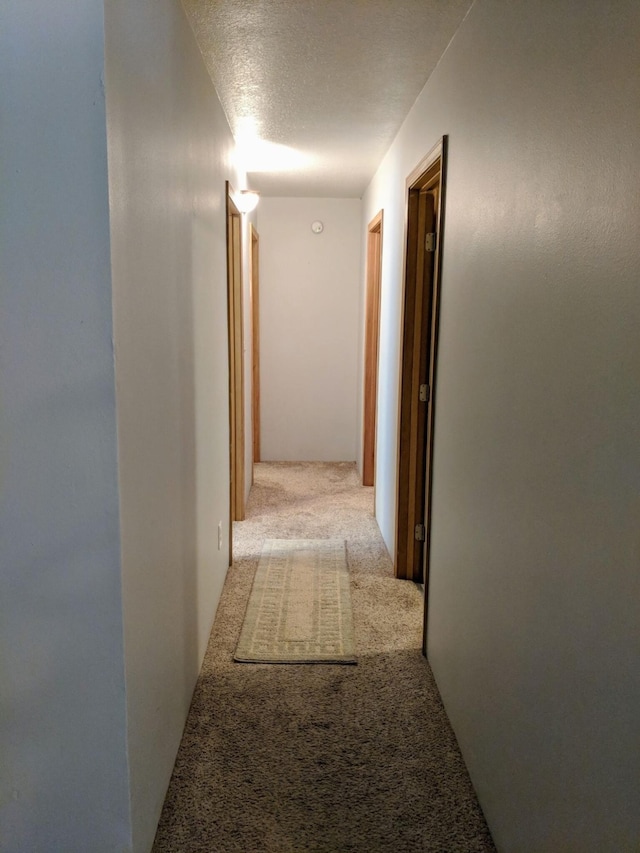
(430, 242)
(424, 394)
(420, 532)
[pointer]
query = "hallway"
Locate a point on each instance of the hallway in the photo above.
(322, 758)
(120, 150)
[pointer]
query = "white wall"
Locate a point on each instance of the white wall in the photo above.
(309, 309)
(534, 634)
(170, 152)
(85, 762)
(63, 771)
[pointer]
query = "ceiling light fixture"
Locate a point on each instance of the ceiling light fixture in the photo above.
(247, 200)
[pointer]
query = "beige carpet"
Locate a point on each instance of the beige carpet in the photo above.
(329, 759)
(299, 610)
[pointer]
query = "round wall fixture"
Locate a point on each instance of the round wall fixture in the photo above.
(317, 227)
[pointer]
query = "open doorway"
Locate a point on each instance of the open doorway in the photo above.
(236, 359)
(371, 349)
(425, 205)
(255, 341)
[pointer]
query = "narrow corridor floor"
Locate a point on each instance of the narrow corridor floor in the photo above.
(329, 759)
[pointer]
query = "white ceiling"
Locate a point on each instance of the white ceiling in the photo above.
(332, 80)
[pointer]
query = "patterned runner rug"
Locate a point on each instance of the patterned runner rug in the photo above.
(299, 610)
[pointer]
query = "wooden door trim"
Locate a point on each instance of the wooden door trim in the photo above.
(418, 356)
(255, 340)
(371, 351)
(236, 361)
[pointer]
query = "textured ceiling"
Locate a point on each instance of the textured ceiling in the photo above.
(315, 90)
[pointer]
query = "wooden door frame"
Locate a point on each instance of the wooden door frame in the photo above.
(236, 362)
(419, 341)
(254, 258)
(371, 348)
